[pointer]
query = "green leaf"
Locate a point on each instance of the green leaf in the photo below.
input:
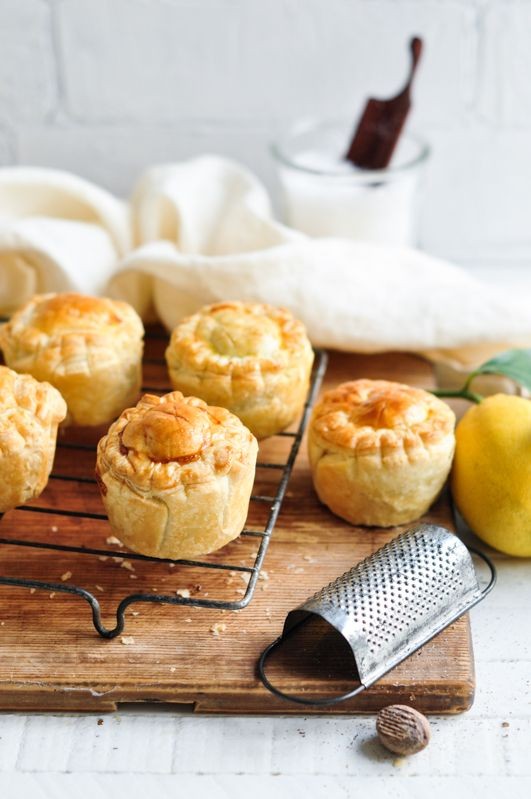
(515, 364)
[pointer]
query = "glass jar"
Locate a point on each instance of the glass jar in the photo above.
(325, 195)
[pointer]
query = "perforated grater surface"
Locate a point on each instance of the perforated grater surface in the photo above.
(392, 602)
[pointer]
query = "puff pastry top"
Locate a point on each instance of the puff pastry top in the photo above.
(370, 416)
(70, 333)
(173, 440)
(239, 339)
(27, 408)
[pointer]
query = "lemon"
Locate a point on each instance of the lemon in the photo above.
(491, 476)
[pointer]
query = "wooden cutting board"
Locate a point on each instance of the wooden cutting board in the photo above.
(52, 659)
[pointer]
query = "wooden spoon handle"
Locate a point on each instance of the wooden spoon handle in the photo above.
(415, 46)
(382, 121)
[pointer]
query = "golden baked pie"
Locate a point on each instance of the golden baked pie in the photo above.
(176, 476)
(380, 452)
(29, 415)
(90, 348)
(251, 358)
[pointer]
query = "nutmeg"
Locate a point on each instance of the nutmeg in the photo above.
(402, 729)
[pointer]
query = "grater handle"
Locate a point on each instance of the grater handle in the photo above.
(298, 699)
(492, 569)
(350, 694)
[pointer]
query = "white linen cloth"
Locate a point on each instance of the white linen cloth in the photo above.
(202, 231)
(207, 233)
(57, 233)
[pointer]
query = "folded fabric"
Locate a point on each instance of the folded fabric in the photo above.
(204, 232)
(57, 232)
(207, 234)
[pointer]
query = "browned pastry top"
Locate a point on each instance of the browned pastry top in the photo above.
(370, 415)
(238, 338)
(25, 403)
(69, 334)
(69, 312)
(167, 441)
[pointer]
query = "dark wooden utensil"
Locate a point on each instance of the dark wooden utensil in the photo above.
(382, 122)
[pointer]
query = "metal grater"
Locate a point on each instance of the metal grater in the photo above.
(392, 602)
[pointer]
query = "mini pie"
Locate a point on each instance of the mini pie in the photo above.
(176, 476)
(253, 359)
(29, 415)
(380, 452)
(90, 348)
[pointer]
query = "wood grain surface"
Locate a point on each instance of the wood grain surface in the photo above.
(52, 659)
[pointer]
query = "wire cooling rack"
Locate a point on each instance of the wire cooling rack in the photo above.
(250, 573)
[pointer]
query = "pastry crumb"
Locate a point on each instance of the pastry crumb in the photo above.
(52, 595)
(100, 722)
(32, 590)
(98, 588)
(240, 591)
(399, 762)
(263, 575)
(218, 627)
(171, 565)
(308, 559)
(135, 613)
(117, 559)
(126, 564)
(127, 640)
(66, 576)
(188, 621)
(113, 541)
(133, 577)
(173, 668)
(54, 528)
(103, 558)
(183, 592)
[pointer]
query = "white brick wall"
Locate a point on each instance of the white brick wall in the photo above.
(106, 87)
(28, 78)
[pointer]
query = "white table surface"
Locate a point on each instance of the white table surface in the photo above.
(145, 748)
